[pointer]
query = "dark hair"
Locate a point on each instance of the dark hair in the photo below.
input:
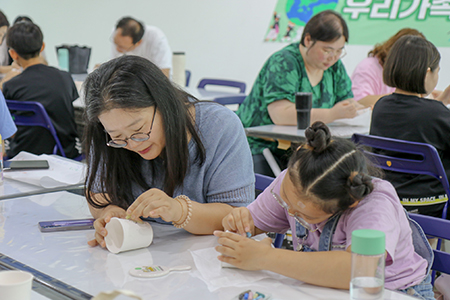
(132, 82)
(132, 28)
(381, 50)
(326, 26)
(3, 20)
(407, 63)
(22, 18)
(334, 171)
(26, 39)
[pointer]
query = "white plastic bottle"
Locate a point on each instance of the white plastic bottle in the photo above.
(368, 260)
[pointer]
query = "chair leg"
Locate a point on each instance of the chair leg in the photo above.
(272, 162)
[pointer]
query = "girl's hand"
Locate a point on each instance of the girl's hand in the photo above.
(239, 220)
(242, 252)
(444, 96)
(154, 203)
(100, 232)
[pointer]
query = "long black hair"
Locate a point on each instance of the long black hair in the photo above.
(335, 171)
(132, 82)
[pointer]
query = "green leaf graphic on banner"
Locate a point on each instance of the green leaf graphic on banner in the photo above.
(369, 21)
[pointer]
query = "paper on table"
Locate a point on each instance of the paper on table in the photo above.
(62, 171)
(362, 119)
(215, 277)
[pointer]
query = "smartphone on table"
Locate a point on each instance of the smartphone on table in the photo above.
(63, 225)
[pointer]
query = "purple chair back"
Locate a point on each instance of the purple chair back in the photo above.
(188, 77)
(231, 83)
(439, 228)
(261, 183)
(429, 164)
(228, 100)
(38, 118)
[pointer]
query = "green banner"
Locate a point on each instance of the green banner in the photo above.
(369, 21)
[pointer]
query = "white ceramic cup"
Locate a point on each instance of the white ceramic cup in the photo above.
(15, 285)
(124, 235)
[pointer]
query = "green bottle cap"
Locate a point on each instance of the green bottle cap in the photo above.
(368, 242)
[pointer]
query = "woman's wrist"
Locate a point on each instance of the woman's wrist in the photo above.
(182, 204)
(186, 213)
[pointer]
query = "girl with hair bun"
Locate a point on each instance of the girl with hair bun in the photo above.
(325, 194)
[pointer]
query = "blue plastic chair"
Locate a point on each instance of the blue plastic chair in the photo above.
(429, 164)
(261, 183)
(222, 82)
(38, 118)
(439, 228)
(188, 77)
(228, 100)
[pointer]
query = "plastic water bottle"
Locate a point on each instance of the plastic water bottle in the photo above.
(368, 258)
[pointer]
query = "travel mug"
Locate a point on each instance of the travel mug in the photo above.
(303, 105)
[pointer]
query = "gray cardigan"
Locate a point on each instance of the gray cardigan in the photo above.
(226, 176)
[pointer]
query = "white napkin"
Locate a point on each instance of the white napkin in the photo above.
(215, 277)
(62, 171)
(362, 119)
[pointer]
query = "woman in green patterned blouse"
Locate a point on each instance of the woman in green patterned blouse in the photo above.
(314, 66)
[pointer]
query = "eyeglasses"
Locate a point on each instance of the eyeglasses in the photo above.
(137, 137)
(333, 53)
(287, 208)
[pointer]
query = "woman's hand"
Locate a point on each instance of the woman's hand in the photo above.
(154, 203)
(239, 220)
(100, 232)
(344, 109)
(243, 252)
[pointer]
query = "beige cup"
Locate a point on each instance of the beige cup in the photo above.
(15, 285)
(124, 235)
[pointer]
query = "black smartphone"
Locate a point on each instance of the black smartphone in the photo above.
(63, 225)
(25, 165)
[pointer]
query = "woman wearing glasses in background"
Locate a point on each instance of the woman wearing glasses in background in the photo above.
(155, 152)
(314, 66)
(325, 194)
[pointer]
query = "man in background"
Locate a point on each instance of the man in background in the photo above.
(132, 37)
(53, 88)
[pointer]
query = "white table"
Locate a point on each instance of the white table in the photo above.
(14, 189)
(199, 93)
(291, 133)
(66, 256)
(208, 95)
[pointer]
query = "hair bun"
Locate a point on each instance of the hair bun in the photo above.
(318, 136)
(360, 185)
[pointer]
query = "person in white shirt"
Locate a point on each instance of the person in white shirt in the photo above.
(132, 37)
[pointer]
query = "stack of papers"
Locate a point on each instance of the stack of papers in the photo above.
(362, 119)
(62, 171)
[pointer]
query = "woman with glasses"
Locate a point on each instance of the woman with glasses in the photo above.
(155, 152)
(313, 66)
(325, 194)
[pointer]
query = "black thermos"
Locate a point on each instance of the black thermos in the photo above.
(303, 104)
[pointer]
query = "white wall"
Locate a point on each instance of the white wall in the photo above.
(221, 38)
